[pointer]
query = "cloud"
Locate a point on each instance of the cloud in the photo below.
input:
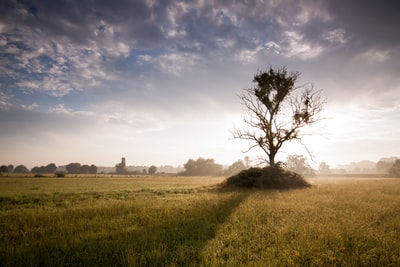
(298, 47)
(336, 36)
(4, 101)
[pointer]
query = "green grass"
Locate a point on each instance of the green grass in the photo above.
(188, 221)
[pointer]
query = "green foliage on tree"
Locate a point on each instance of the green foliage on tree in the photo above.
(3, 168)
(152, 170)
(324, 168)
(235, 168)
(395, 169)
(298, 164)
(93, 169)
(277, 111)
(73, 168)
(50, 168)
(202, 167)
(21, 169)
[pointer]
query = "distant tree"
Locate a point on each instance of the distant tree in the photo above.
(84, 169)
(324, 168)
(385, 164)
(93, 169)
(3, 168)
(395, 169)
(121, 167)
(10, 168)
(144, 171)
(235, 168)
(73, 168)
(152, 170)
(21, 169)
(298, 164)
(51, 168)
(275, 114)
(36, 169)
(202, 167)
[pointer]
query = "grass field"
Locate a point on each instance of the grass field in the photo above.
(188, 221)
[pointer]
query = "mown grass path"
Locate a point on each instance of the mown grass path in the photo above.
(185, 221)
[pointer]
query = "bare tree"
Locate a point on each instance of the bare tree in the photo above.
(277, 111)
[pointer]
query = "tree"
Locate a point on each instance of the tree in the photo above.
(152, 170)
(3, 168)
(275, 114)
(10, 168)
(235, 168)
(84, 169)
(73, 168)
(395, 169)
(21, 169)
(51, 168)
(324, 168)
(36, 169)
(298, 164)
(93, 169)
(385, 164)
(202, 167)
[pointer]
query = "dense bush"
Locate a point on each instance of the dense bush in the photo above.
(268, 178)
(60, 174)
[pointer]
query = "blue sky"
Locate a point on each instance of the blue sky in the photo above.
(157, 81)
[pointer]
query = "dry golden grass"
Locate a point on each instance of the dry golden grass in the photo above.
(188, 221)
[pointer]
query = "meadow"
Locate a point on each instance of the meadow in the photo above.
(191, 221)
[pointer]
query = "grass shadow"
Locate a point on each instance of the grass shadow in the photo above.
(177, 238)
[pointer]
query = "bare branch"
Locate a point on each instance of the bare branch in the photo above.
(269, 127)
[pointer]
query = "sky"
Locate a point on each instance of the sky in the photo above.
(157, 82)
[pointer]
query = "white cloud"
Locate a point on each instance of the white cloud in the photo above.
(49, 84)
(298, 47)
(5, 101)
(30, 107)
(248, 56)
(373, 56)
(336, 36)
(173, 63)
(60, 109)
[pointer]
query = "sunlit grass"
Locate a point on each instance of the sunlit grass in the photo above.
(175, 221)
(352, 223)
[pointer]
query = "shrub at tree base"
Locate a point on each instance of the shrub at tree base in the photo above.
(272, 177)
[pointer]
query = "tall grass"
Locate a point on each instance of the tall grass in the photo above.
(184, 222)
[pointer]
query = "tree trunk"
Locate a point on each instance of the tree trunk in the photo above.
(272, 158)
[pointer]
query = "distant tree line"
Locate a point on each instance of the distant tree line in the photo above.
(73, 168)
(208, 167)
(203, 167)
(389, 166)
(77, 168)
